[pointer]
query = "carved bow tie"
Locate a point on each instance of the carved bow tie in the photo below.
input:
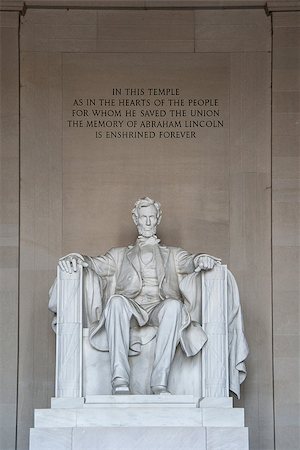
(142, 240)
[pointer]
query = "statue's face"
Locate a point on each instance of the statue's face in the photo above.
(147, 221)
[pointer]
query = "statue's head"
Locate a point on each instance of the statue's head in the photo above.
(146, 215)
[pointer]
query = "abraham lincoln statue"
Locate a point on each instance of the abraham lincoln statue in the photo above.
(144, 284)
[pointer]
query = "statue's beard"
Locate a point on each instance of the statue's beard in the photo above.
(146, 232)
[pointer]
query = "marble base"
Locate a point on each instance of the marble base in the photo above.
(167, 416)
(147, 438)
(134, 422)
(67, 402)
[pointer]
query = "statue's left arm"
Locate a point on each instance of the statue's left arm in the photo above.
(188, 263)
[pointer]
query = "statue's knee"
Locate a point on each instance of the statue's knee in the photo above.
(173, 306)
(116, 302)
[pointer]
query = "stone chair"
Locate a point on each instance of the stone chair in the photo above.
(83, 371)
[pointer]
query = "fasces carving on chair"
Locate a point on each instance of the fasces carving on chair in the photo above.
(149, 293)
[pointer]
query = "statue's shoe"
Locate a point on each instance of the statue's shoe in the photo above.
(121, 390)
(157, 390)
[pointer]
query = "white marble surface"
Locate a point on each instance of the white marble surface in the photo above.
(227, 438)
(221, 417)
(215, 380)
(124, 417)
(96, 369)
(162, 399)
(184, 378)
(69, 334)
(216, 402)
(112, 439)
(132, 422)
(67, 402)
(139, 415)
(50, 418)
(135, 438)
(51, 439)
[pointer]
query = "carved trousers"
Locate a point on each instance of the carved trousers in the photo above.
(167, 316)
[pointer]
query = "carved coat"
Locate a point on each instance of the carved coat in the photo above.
(119, 272)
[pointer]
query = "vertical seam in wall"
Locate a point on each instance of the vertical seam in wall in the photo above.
(19, 235)
(72, 437)
(229, 155)
(194, 24)
(49, 208)
(62, 151)
(272, 256)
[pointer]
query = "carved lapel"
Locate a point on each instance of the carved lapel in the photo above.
(132, 256)
(162, 261)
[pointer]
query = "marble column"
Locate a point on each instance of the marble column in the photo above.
(69, 334)
(214, 323)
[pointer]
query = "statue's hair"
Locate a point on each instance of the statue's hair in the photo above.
(146, 201)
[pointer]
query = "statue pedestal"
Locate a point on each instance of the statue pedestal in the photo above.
(140, 421)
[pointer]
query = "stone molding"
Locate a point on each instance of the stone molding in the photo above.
(206, 4)
(11, 5)
(283, 5)
(130, 4)
(270, 6)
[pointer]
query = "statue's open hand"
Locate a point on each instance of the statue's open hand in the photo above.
(206, 262)
(70, 263)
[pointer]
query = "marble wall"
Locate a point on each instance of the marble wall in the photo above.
(9, 225)
(221, 184)
(286, 227)
(232, 187)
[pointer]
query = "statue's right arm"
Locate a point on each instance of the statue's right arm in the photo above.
(104, 265)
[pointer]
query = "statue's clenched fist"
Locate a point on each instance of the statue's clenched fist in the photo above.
(205, 262)
(71, 262)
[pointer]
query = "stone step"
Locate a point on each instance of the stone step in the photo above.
(165, 399)
(146, 416)
(145, 400)
(137, 438)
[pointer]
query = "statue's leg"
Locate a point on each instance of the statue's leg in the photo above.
(117, 324)
(167, 316)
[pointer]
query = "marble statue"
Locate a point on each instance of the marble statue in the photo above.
(152, 287)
